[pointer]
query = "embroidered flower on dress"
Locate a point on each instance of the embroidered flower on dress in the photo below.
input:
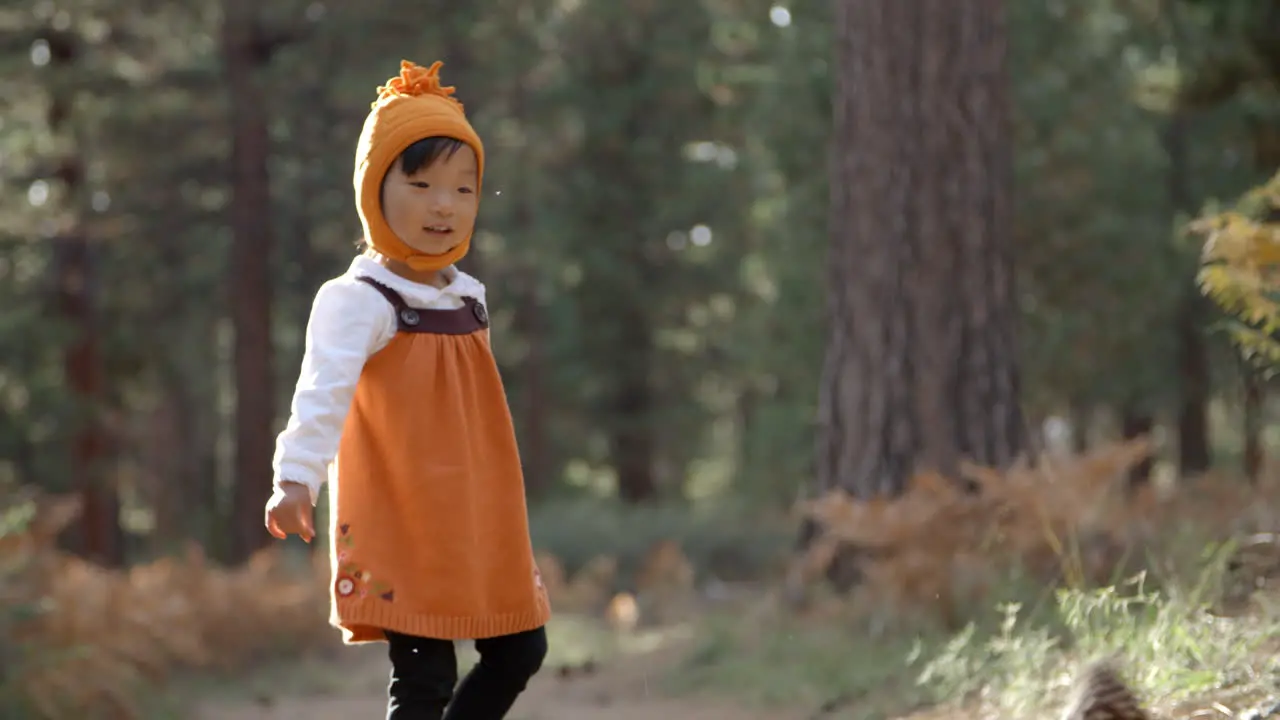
(345, 586)
(354, 580)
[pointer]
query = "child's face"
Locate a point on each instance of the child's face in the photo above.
(434, 209)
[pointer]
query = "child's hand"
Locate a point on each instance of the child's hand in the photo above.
(289, 512)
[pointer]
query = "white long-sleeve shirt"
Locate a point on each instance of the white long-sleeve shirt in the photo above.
(350, 321)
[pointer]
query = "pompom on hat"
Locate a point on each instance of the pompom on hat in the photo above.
(410, 107)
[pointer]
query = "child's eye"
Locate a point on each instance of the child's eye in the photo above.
(465, 190)
(419, 183)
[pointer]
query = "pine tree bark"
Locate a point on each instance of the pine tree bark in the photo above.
(921, 362)
(98, 536)
(249, 282)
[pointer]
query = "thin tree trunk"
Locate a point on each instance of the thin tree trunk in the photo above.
(249, 280)
(1194, 456)
(1136, 423)
(530, 323)
(99, 535)
(1081, 425)
(631, 442)
(535, 436)
(612, 302)
(162, 452)
(1254, 404)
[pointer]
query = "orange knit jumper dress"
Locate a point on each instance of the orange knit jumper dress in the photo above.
(430, 530)
(428, 518)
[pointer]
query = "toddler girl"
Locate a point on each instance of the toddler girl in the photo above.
(400, 397)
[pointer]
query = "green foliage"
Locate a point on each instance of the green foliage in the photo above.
(615, 130)
(1103, 273)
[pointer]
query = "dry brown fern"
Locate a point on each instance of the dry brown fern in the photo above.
(105, 636)
(1102, 694)
(936, 550)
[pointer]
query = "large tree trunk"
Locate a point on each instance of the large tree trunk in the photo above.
(921, 366)
(249, 281)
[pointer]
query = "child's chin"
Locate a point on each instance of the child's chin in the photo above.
(439, 247)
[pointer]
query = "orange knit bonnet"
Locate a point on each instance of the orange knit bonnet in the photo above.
(410, 107)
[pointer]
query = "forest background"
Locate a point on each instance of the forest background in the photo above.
(738, 253)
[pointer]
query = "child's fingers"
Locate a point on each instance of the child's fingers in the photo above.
(274, 528)
(307, 523)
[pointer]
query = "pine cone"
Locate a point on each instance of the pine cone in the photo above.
(1101, 694)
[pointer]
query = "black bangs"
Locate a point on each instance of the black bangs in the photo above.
(426, 151)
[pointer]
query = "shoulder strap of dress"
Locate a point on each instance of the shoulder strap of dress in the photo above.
(392, 296)
(460, 321)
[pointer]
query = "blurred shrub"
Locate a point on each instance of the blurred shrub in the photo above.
(723, 541)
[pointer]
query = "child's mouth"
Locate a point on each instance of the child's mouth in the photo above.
(438, 229)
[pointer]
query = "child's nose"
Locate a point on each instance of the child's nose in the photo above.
(442, 204)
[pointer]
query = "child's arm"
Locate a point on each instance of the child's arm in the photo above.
(349, 322)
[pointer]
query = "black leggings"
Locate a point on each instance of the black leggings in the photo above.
(424, 672)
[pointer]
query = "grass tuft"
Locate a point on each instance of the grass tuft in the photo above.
(1018, 661)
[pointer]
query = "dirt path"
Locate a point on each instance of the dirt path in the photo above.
(351, 688)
